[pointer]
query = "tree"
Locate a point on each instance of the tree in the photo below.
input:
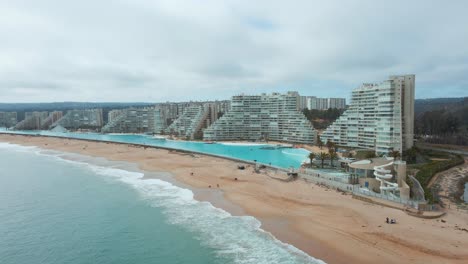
(330, 145)
(320, 143)
(395, 154)
(332, 154)
(323, 156)
(311, 157)
(410, 155)
(370, 155)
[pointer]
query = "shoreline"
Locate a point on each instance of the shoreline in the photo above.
(323, 223)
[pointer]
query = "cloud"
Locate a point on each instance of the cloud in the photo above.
(145, 50)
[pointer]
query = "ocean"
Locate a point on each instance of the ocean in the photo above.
(64, 208)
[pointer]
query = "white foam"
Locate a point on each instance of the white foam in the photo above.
(237, 238)
(15, 147)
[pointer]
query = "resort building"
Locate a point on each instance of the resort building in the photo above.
(38, 120)
(51, 119)
(84, 119)
(381, 175)
(314, 103)
(263, 117)
(172, 111)
(380, 117)
(134, 120)
(32, 121)
(338, 103)
(8, 119)
(113, 114)
(189, 124)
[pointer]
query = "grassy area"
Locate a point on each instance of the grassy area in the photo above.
(445, 146)
(364, 154)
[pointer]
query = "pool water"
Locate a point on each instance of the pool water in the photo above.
(261, 153)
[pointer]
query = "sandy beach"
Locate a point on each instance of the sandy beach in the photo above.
(322, 222)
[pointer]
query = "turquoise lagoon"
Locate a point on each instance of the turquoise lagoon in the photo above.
(262, 153)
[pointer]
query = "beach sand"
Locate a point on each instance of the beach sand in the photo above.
(322, 222)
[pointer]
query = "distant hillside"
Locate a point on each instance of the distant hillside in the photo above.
(425, 105)
(442, 120)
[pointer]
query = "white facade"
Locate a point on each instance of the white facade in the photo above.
(380, 117)
(189, 123)
(260, 117)
(338, 103)
(315, 103)
(134, 120)
(85, 118)
(8, 119)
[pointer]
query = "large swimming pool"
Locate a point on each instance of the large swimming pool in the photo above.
(262, 153)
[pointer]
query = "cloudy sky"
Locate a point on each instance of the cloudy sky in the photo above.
(151, 50)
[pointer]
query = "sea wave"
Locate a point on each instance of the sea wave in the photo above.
(238, 238)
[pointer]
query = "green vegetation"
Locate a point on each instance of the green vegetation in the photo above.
(445, 125)
(319, 142)
(364, 154)
(311, 157)
(427, 169)
(321, 119)
(332, 155)
(323, 156)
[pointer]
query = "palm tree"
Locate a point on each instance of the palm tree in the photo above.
(320, 143)
(323, 156)
(332, 154)
(311, 157)
(330, 145)
(370, 155)
(395, 154)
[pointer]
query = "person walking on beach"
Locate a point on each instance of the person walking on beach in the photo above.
(387, 220)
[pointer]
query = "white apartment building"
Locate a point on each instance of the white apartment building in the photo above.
(380, 117)
(32, 120)
(315, 103)
(338, 103)
(8, 119)
(84, 118)
(134, 120)
(189, 123)
(263, 117)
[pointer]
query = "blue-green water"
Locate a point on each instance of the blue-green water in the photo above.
(54, 210)
(280, 157)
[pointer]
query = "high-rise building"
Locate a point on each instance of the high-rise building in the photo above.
(113, 114)
(86, 118)
(189, 123)
(32, 121)
(314, 103)
(303, 102)
(263, 117)
(8, 119)
(338, 103)
(132, 120)
(51, 119)
(380, 117)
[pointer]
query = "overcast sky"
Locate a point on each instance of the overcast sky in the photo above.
(152, 51)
